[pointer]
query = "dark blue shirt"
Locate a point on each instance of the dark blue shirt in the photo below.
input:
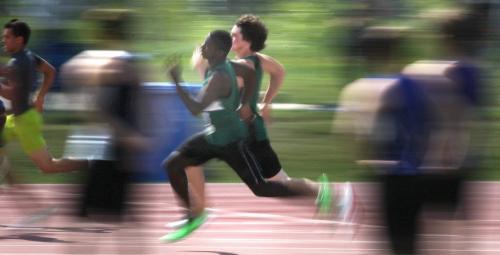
(23, 77)
(467, 76)
(409, 114)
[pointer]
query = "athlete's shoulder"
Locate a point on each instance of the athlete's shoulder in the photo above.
(270, 64)
(220, 83)
(243, 62)
(239, 66)
(23, 57)
(264, 57)
(220, 76)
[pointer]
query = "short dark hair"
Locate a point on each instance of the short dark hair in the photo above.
(113, 23)
(19, 28)
(381, 43)
(253, 30)
(466, 30)
(222, 40)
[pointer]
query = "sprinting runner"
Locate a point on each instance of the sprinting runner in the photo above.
(25, 122)
(249, 35)
(225, 137)
(248, 38)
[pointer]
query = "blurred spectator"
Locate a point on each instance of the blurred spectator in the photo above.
(389, 113)
(115, 73)
(416, 125)
(455, 88)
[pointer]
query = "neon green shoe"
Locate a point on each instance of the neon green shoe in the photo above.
(324, 198)
(186, 229)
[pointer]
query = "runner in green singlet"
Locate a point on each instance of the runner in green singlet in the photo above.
(225, 136)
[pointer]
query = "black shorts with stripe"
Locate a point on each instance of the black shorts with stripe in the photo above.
(266, 157)
(197, 151)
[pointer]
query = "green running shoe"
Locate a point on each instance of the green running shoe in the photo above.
(324, 198)
(186, 229)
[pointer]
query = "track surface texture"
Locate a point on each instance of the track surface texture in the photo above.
(40, 219)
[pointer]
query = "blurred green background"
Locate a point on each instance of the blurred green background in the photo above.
(312, 39)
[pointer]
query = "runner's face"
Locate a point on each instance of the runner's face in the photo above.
(11, 43)
(238, 42)
(208, 49)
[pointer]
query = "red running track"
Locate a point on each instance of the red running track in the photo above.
(240, 224)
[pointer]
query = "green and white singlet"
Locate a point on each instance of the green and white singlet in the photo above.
(258, 123)
(224, 125)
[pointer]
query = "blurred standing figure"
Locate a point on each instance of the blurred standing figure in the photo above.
(454, 87)
(417, 125)
(115, 74)
(388, 113)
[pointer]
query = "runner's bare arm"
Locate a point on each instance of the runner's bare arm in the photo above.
(277, 74)
(218, 87)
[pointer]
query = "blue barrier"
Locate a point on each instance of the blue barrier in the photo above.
(162, 117)
(57, 53)
(167, 121)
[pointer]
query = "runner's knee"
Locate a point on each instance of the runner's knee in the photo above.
(174, 163)
(46, 166)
